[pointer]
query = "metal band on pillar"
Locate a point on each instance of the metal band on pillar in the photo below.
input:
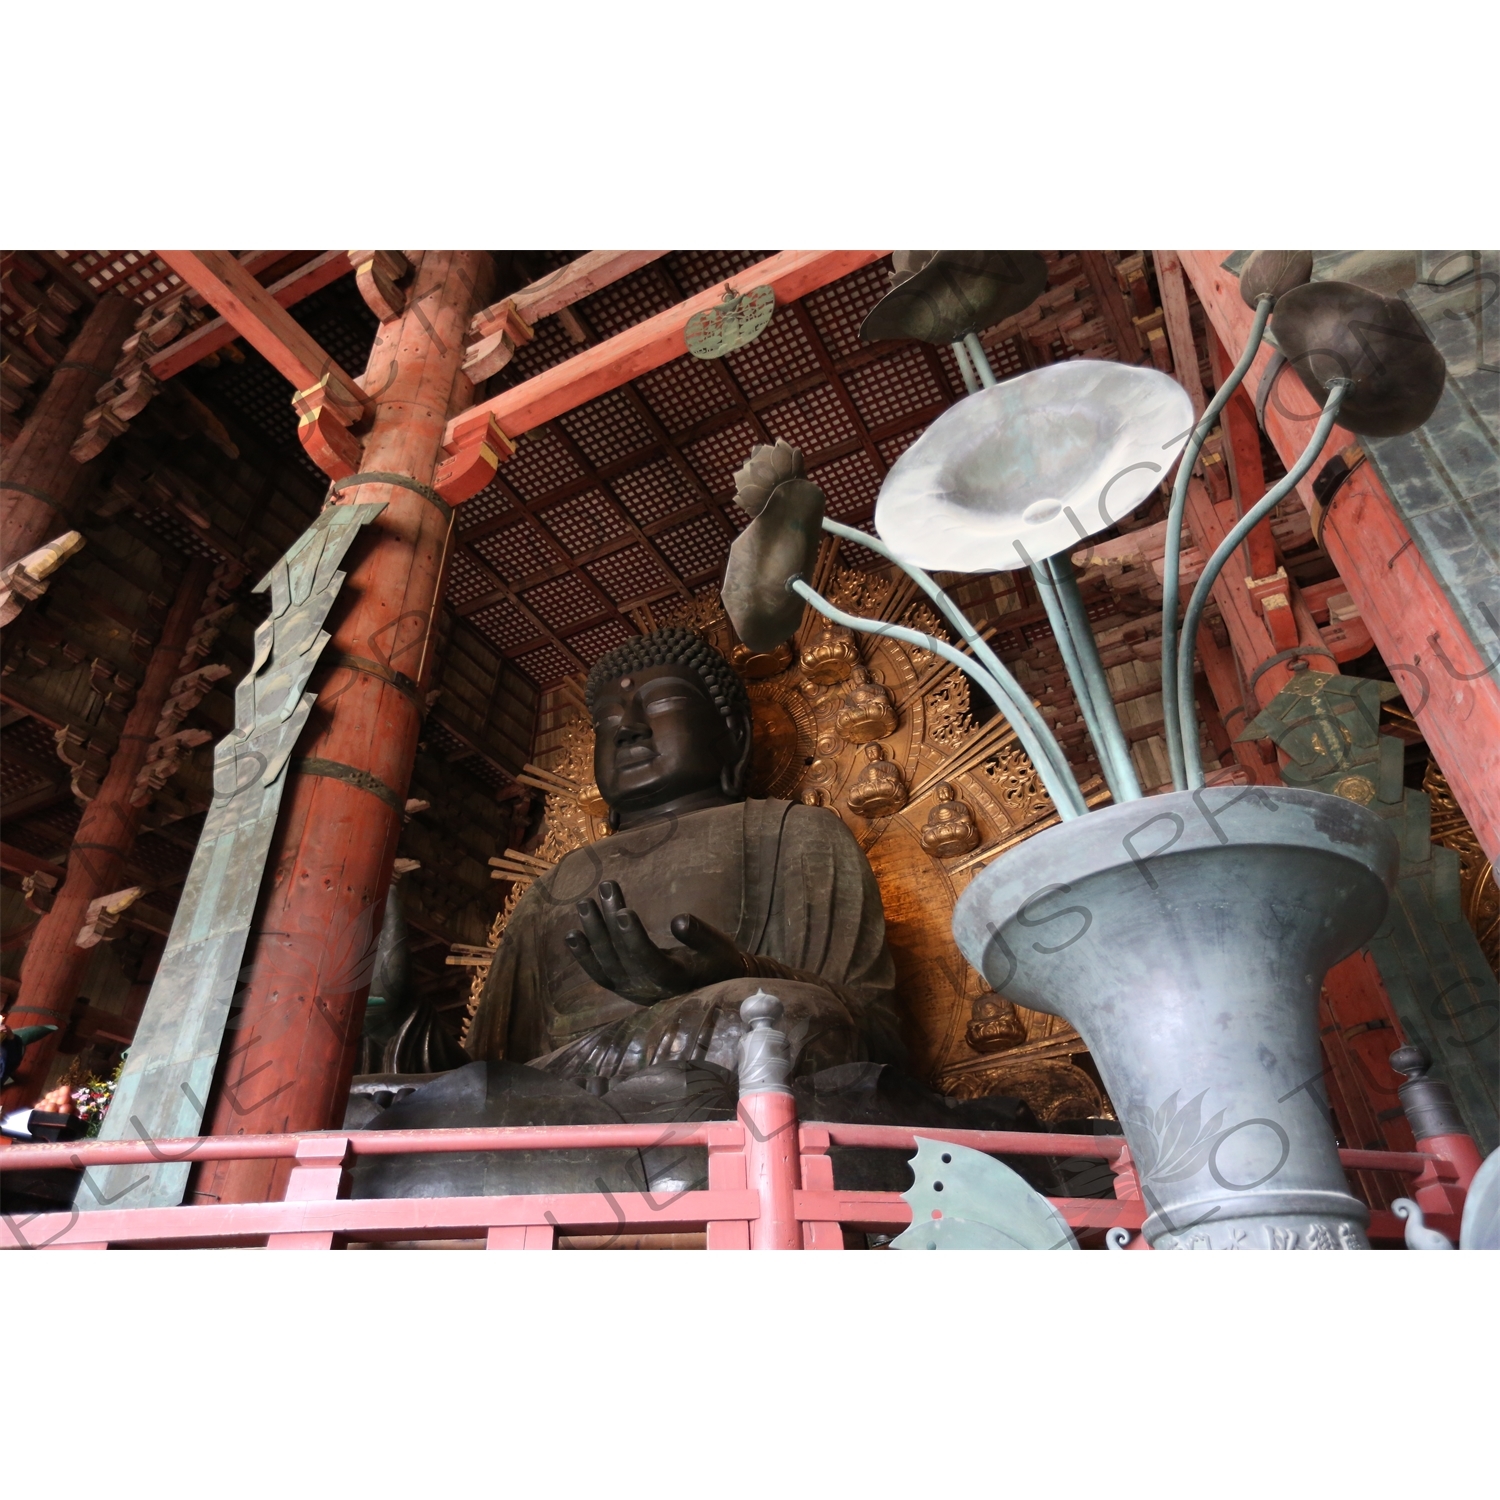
(401, 481)
(336, 770)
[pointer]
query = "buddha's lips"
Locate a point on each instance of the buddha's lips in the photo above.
(634, 755)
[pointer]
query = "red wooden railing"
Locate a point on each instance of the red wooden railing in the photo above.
(770, 1186)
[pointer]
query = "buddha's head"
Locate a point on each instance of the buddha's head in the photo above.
(671, 726)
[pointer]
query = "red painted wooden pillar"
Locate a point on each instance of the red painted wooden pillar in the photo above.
(39, 472)
(55, 964)
(287, 1063)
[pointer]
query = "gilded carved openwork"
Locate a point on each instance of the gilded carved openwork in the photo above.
(881, 733)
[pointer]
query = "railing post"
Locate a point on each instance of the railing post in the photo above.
(520, 1237)
(769, 1114)
(1438, 1130)
(1127, 1187)
(726, 1173)
(320, 1174)
(817, 1172)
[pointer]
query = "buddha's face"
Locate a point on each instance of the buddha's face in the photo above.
(659, 741)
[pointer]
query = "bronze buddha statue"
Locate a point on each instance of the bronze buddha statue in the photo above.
(638, 950)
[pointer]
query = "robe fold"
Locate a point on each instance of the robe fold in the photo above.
(787, 882)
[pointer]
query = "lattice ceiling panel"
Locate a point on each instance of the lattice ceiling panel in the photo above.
(684, 392)
(653, 491)
(639, 296)
(563, 602)
(515, 552)
(467, 581)
(168, 525)
(716, 457)
(893, 447)
(17, 780)
(850, 484)
(505, 624)
(540, 466)
(165, 862)
(549, 346)
(137, 273)
(546, 664)
(606, 429)
(898, 386)
(696, 270)
(628, 575)
(696, 547)
(592, 643)
(779, 356)
(35, 739)
(814, 421)
(838, 310)
(584, 522)
(490, 502)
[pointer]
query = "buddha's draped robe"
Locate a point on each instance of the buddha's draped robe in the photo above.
(787, 882)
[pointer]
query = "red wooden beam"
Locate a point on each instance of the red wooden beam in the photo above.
(20, 862)
(287, 292)
(1448, 686)
(657, 341)
(569, 284)
(261, 320)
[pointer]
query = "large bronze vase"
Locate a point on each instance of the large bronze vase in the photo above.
(1186, 937)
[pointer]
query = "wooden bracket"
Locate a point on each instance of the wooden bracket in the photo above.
(476, 450)
(502, 331)
(1273, 597)
(376, 273)
(104, 916)
(323, 431)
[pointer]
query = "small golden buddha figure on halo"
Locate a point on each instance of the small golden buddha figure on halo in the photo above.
(811, 797)
(831, 655)
(867, 712)
(881, 788)
(950, 829)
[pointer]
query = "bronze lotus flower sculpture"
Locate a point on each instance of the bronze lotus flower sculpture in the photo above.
(781, 541)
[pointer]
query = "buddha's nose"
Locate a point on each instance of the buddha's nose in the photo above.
(633, 726)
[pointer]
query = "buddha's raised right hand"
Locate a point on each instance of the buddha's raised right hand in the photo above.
(614, 950)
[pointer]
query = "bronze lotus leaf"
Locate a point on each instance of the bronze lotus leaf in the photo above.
(940, 295)
(1329, 329)
(782, 541)
(1274, 273)
(767, 466)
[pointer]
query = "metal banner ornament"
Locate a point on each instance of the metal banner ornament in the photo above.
(739, 318)
(163, 1090)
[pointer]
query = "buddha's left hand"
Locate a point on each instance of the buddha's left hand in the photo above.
(613, 949)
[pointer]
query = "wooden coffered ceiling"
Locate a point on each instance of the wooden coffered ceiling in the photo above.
(627, 501)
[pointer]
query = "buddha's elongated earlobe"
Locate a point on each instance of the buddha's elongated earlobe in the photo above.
(733, 777)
